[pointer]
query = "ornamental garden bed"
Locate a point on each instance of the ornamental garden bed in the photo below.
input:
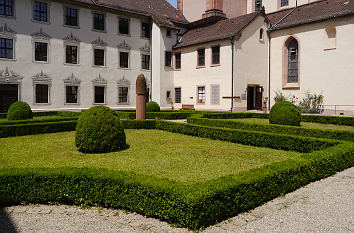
(172, 171)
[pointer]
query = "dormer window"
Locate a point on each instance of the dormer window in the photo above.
(258, 5)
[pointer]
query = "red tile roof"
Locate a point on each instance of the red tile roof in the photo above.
(161, 9)
(310, 13)
(221, 30)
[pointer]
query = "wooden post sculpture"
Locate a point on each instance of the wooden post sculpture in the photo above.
(140, 97)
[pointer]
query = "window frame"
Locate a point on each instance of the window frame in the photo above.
(104, 23)
(48, 11)
(129, 26)
(256, 5)
(180, 95)
(212, 102)
(64, 17)
(198, 58)
(13, 16)
(142, 33)
(77, 54)
(168, 33)
(180, 61)
(119, 59)
(72, 81)
(128, 94)
(285, 83)
(212, 56)
(142, 67)
(198, 93)
(78, 94)
(43, 41)
(41, 79)
(7, 37)
(281, 4)
(170, 60)
(104, 94)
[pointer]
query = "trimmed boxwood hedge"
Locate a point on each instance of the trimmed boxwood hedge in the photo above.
(285, 113)
(190, 205)
(38, 120)
(282, 129)
(19, 111)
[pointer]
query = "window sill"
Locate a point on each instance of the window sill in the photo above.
(120, 104)
(177, 69)
(328, 49)
(8, 17)
(41, 62)
(71, 64)
(291, 86)
(122, 34)
(146, 38)
(70, 26)
(8, 59)
(144, 70)
(215, 65)
(201, 103)
(200, 67)
(41, 22)
(123, 68)
(261, 40)
(73, 104)
(96, 66)
(99, 103)
(96, 30)
(42, 104)
(168, 68)
(283, 8)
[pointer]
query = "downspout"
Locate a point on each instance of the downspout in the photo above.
(151, 65)
(269, 66)
(232, 72)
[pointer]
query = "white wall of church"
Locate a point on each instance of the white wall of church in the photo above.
(274, 5)
(24, 65)
(321, 69)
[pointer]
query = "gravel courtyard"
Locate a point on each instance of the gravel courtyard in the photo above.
(323, 206)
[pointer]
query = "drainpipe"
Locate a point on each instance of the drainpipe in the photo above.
(151, 64)
(232, 74)
(269, 66)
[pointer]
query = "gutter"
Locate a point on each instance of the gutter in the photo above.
(232, 72)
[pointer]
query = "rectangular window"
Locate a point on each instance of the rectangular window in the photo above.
(99, 95)
(145, 30)
(201, 57)
(6, 48)
(123, 26)
(98, 21)
(168, 59)
(145, 62)
(42, 94)
(72, 94)
(6, 8)
(123, 59)
(215, 94)
(178, 61)
(258, 5)
(71, 54)
(201, 95)
(99, 57)
(178, 95)
(284, 3)
(168, 32)
(215, 55)
(41, 51)
(123, 95)
(71, 17)
(40, 11)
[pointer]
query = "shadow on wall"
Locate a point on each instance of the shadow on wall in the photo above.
(6, 225)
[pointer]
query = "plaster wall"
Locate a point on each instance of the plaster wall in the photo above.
(24, 64)
(321, 70)
(274, 5)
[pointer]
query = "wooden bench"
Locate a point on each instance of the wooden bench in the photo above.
(187, 107)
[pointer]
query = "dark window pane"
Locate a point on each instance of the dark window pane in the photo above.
(71, 54)
(6, 48)
(178, 61)
(40, 11)
(145, 30)
(41, 51)
(98, 21)
(123, 94)
(201, 94)
(41, 93)
(201, 57)
(284, 3)
(258, 4)
(145, 62)
(168, 59)
(71, 17)
(99, 57)
(216, 55)
(293, 69)
(124, 60)
(168, 32)
(178, 95)
(6, 7)
(99, 95)
(72, 94)
(123, 26)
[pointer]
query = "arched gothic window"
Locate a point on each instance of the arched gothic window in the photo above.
(293, 61)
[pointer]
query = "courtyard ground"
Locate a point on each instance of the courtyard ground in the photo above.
(323, 206)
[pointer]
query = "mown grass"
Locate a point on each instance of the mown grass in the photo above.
(152, 152)
(304, 124)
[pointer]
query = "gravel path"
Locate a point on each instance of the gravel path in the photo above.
(323, 206)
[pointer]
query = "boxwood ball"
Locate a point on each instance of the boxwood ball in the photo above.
(19, 111)
(285, 113)
(99, 130)
(152, 107)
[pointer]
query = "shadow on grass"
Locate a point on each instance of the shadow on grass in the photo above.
(6, 225)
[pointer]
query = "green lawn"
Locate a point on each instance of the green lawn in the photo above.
(304, 124)
(152, 152)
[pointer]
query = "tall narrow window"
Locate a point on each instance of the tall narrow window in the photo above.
(168, 59)
(6, 8)
(71, 17)
(215, 94)
(293, 68)
(258, 5)
(124, 59)
(40, 11)
(6, 48)
(215, 55)
(99, 94)
(71, 54)
(284, 3)
(145, 62)
(178, 95)
(201, 95)
(123, 26)
(42, 93)
(123, 95)
(41, 51)
(261, 35)
(168, 32)
(145, 30)
(178, 61)
(98, 21)
(201, 57)
(99, 57)
(71, 94)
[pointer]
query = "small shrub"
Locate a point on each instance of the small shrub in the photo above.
(152, 107)
(19, 111)
(99, 130)
(285, 113)
(279, 96)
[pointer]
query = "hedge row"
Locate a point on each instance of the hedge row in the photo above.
(49, 113)
(279, 129)
(38, 120)
(194, 206)
(157, 115)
